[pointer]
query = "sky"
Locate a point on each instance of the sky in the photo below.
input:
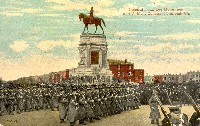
(42, 36)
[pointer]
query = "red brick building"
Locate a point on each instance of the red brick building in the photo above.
(61, 76)
(57, 77)
(65, 75)
(138, 75)
(125, 71)
(158, 78)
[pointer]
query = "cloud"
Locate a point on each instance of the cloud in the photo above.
(118, 40)
(8, 14)
(19, 11)
(182, 57)
(163, 3)
(102, 8)
(19, 46)
(162, 67)
(126, 9)
(105, 3)
(163, 46)
(50, 44)
(178, 36)
(30, 10)
(173, 62)
(149, 20)
(125, 33)
(193, 21)
(34, 64)
(51, 15)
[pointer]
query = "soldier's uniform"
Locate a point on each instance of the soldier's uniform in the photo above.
(113, 104)
(153, 103)
(81, 109)
(88, 108)
(55, 97)
(96, 108)
(28, 100)
(11, 101)
(47, 98)
(195, 119)
(20, 102)
(40, 97)
(63, 104)
(103, 106)
(2, 102)
(72, 112)
(108, 104)
(176, 117)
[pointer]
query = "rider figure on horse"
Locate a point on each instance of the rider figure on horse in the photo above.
(91, 15)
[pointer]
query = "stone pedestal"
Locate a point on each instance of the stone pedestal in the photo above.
(93, 56)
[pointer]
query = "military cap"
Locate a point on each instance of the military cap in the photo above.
(177, 107)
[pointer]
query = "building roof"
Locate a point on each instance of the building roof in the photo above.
(115, 62)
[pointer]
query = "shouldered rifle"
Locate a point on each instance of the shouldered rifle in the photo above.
(194, 105)
(166, 121)
(170, 102)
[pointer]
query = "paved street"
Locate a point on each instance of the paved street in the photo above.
(139, 117)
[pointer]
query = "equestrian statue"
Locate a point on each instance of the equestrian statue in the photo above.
(91, 20)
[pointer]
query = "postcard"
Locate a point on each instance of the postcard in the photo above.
(99, 62)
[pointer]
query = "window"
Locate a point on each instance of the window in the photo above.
(141, 73)
(129, 73)
(169, 78)
(118, 73)
(118, 67)
(172, 78)
(165, 78)
(129, 67)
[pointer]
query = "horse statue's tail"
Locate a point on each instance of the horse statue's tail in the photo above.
(103, 22)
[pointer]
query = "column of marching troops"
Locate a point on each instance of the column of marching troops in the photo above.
(175, 95)
(170, 89)
(75, 100)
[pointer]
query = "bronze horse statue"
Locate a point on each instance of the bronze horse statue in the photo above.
(96, 21)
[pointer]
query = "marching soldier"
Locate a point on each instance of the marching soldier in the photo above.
(72, 112)
(28, 100)
(20, 101)
(40, 97)
(88, 108)
(55, 96)
(11, 101)
(108, 104)
(153, 103)
(96, 108)
(63, 104)
(103, 106)
(81, 109)
(2, 102)
(35, 98)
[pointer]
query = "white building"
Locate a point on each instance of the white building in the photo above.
(173, 78)
(193, 76)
